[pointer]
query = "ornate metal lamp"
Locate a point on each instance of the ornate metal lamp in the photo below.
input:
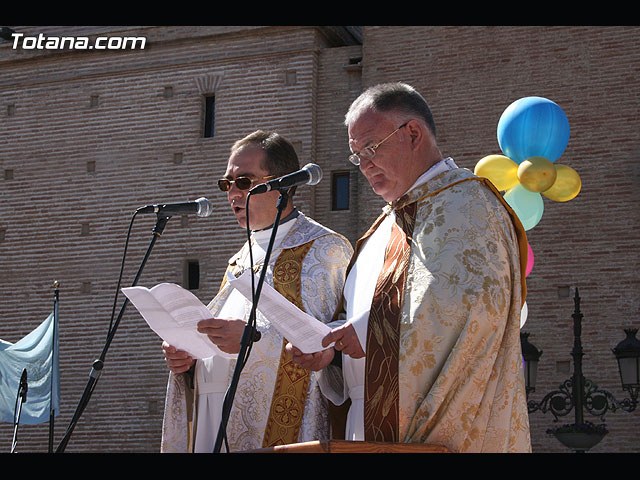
(627, 353)
(579, 393)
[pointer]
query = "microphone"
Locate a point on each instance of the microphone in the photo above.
(310, 174)
(23, 386)
(201, 207)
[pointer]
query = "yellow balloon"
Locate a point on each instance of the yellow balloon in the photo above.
(500, 170)
(536, 174)
(567, 184)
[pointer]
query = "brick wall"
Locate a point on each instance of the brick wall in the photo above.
(339, 78)
(73, 171)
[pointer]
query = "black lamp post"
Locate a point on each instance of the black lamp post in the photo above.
(578, 393)
(531, 356)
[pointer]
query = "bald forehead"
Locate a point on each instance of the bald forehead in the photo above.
(365, 129)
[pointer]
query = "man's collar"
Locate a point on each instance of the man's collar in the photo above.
(294, 213)
(415, 192)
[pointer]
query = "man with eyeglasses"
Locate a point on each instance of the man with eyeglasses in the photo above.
(276, 401)
(431, 307)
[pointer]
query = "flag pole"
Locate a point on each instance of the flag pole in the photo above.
(56, 298)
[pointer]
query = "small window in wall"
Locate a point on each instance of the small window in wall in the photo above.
(193, 275)
(340, 191)
(209, 115)
(85, 287)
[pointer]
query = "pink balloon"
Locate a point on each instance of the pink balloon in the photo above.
(529, 261)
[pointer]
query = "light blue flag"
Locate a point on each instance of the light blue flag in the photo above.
(38, 354)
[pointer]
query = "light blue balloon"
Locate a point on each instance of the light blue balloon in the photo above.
(528, 205)
(533, 127)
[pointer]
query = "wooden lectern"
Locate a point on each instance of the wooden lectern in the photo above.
(345, 446)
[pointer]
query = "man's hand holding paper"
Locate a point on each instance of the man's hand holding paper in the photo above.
(300, 329)
(226, 334)
(180, 319)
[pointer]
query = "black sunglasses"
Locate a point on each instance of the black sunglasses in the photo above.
(243, 183)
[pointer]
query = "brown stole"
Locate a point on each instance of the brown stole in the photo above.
(381, 395)
(292, 381)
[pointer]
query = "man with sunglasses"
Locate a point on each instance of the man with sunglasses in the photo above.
(431, 307)
(276, 401)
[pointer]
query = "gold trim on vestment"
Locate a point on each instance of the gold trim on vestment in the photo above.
(292, 381)
(517, 224)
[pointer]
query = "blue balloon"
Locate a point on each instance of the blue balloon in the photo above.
(533, 127)
(526, 204)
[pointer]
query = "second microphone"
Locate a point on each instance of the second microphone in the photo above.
(310, 174)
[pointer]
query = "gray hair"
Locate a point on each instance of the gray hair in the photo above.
(394, 97)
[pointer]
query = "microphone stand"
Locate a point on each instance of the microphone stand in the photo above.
(99, 363)
(20, 399)
(54, 352)
(249, 330)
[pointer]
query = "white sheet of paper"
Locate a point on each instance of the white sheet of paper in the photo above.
(173, 313)
(301, 329)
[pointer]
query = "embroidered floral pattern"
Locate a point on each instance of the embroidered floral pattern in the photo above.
(461, 380)
(322, 277)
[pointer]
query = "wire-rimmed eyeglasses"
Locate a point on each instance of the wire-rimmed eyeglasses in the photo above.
(243, 183)
(369, 152)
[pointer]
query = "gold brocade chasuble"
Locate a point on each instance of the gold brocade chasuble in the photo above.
(272, 397)
(382, 353)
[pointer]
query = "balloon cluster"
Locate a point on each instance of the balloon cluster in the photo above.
(533, 132)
